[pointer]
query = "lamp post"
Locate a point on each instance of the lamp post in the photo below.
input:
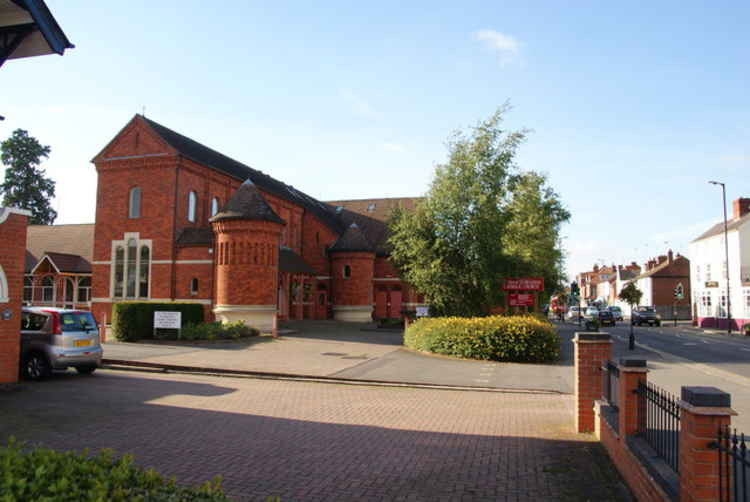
(726, 253)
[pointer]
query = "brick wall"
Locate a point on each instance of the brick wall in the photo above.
(357, 289)
(12, 253)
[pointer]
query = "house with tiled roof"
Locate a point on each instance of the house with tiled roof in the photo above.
(379, 209)
(659, 279)
(722, 290)
(179, 221)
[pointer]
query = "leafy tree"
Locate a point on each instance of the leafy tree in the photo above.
(457, 244)
(25, 184)
(532, 237)
(630, 294)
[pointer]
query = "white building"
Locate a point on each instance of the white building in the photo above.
(708, 271)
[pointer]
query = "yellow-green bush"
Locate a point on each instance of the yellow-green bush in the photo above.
(496, 338)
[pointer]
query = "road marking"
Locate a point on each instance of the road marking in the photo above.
(690, 343)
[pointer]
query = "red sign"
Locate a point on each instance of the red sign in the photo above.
(524, 284)
(521, 299)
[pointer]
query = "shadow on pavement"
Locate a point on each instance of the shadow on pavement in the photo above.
(325, 459)
(342, 332)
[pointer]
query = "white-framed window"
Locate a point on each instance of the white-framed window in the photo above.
(192, 205)
(28, 289)
(708, 272)
(134, 203)
(131, 267)
(194, 286)
(3, 286)
(746, 302)
(698, 273)
(347, 272)
(214, 206)
(48, 289)
(705, 309)
(724, 270)
(721, 310)
(84, 289)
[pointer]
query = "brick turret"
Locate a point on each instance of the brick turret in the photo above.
(248, 234)
(352, 271)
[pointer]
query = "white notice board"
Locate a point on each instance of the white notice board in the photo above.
(167, 320)
(423, 311)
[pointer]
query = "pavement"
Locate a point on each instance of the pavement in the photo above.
(306, 441)
(335, 349)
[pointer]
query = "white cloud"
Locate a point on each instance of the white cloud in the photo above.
(394, 147)
(506, 47)
(359, 105)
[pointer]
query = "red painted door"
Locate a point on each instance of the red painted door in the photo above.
(381, 304)
(394, 309)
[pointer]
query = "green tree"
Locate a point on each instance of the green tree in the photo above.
(532, 237)
(25, 184)
(455, 246)
(630, 294)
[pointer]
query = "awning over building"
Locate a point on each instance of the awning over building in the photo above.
(292, 263)
(27, 28)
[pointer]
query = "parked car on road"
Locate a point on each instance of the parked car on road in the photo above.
(592, 312)
(606, 317)
(573, 313)
(57, 339)
(616, 313)
(645, 315)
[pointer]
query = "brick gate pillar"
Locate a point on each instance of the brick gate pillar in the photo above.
(702, 411)
(13, 223)
(592, 350)
(632, 372)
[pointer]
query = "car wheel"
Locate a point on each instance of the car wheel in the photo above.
(85, 370)
(36, 366)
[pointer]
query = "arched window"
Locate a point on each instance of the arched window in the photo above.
(194, 286)
(28, 290)
(119, 274)
(347, 271)
(130, 268)
(4, 287)
(70, 292)
(192, 205)
(84, 289)
(48, 290)
(143, 275)
(134, 206)
(214, 206)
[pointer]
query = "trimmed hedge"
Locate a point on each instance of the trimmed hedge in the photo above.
(496, 338)
(52, 476)
(133, 321)
(216, 331)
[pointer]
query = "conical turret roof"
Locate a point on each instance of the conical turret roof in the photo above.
(247, 203)
(353, 240)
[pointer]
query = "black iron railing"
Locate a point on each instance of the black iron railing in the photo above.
(659, 417)
(611, 384)
(734, 466)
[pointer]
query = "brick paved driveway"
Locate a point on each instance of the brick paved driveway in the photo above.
(321, 442)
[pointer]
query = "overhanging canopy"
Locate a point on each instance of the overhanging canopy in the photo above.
(291, 262)
(27, 28)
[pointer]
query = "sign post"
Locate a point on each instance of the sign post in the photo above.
(529, 285)
(168, 320)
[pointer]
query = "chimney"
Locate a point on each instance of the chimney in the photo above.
(670, 256)
(596, 268)
(662, 259)
(740, 207)
(619, 267)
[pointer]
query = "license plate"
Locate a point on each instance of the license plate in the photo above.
(82, 343)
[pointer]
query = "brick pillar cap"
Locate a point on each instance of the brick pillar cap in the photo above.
(706, 396)
(586, 336)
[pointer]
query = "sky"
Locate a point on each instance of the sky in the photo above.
(633, 106)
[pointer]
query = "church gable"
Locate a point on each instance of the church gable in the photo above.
(134, 140)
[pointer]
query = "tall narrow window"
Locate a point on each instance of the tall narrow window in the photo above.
(194, 286)
(84, 289)
(70, 291)
(143, 274)
(119, 271)
(48, 290)
(130, 268)
(134, 210)
(28, 289)
(347, 271)
(192, 205)
(214, 206)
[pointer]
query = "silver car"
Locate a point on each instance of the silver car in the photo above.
(57, 339)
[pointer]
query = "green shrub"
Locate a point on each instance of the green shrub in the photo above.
(496, 338)
(51, 476)
(133, 321)
(217, 331)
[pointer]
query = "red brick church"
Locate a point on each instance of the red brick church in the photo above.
(178, 221)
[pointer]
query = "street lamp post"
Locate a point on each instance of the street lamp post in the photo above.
(726, 253)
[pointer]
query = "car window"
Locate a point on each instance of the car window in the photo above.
(77, 321)
(32, 322)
